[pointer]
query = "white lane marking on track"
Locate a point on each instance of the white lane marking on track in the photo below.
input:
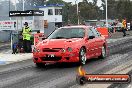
(130, 86)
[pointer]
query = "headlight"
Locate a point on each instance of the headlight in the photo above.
(38, 50)
(63, 50)
(69, 49)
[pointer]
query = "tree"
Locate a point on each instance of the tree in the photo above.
(118, 9)
(29, 4)
(95, 2)
(104, 8)
(56, 2)
(124, 9)
(85, 1)
(112, 9)
(89, 10)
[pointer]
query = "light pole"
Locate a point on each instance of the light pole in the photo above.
(23, 5)
(77, 12)
(106, 14)
(15, 6)
(9, 8)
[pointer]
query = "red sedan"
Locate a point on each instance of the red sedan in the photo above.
(70, 44)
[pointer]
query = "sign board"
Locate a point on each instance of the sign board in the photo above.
(8, 25)
(18, 24)
(26, 13)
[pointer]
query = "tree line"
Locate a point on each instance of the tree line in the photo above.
(117, 9)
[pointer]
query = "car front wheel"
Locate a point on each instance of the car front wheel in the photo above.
(82, 56)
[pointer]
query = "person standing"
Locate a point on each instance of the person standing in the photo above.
(26, 32)
(124, 25)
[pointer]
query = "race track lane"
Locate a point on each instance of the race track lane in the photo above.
(26, 75)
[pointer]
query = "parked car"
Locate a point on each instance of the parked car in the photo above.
(70, 44)
(118, 27)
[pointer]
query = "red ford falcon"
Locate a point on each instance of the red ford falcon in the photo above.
(70, 44)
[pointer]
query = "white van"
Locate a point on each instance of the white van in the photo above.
(128, 26)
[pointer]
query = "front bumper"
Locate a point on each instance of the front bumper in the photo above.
(47, 57)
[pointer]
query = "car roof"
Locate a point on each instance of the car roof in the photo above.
(77, 26)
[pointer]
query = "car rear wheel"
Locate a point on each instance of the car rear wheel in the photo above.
(82, 56)
(103, 52)
(40, 65)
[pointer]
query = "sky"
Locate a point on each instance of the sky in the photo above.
(73, 1)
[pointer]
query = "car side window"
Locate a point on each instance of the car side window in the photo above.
(90, 33)
(96, 33)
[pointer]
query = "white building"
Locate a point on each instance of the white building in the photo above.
(52, 13)
(52, 17)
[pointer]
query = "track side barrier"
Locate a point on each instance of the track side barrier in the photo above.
(104, 31)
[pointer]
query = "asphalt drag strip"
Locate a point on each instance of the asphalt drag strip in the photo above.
(26, 75)
(117, 85)
(118, 56)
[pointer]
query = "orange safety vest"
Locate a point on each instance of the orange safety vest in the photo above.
(124, 23)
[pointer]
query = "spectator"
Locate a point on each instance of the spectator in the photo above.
(124, 27)
(26, 32)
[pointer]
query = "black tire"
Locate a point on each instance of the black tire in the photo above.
(82, 56)
(103, 53)
(40, 65)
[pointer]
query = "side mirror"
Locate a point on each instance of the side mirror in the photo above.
(91, 37)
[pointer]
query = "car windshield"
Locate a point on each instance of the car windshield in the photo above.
(67, 33)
